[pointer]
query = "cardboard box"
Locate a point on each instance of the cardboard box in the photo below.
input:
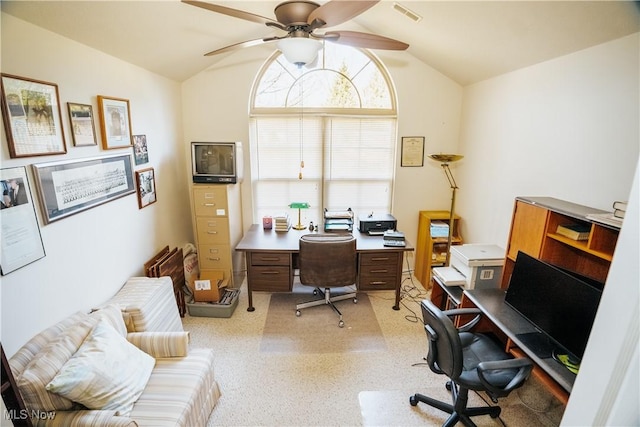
(208, 286)
(481, 265)
(206, 309)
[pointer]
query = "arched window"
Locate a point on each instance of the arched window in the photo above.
(323, 134)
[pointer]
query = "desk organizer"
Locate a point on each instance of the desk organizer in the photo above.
(207, 309)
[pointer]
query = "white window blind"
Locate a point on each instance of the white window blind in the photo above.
(348, 163)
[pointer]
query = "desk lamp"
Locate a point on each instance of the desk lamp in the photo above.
(444, 160)
(299, 206)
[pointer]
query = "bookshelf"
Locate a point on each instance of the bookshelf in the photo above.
(431, 251)
(534, 230)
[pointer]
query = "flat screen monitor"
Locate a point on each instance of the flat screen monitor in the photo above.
(560, 304)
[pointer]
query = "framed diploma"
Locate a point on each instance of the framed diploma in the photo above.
(21, 241)
(412, 151)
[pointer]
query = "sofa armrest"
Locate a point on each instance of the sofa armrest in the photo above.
(161, 344)
(87, 418)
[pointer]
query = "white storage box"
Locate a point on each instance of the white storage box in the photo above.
(481, 265)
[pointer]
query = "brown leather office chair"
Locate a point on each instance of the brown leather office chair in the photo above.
(327, 260)
(472, 361)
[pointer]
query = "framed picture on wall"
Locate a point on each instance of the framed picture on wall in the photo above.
(32, 118)
(140, 150)
(146, 182)
(72, 186)
(82, 126)
(115, 122)
(21, 241)
(412, 151)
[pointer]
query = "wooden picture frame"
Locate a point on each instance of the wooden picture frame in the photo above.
(21, 240)
(412, 151)
(146, 184)
(32, 117)
(68, 187)
(82, 125)
(140, 149)
(115, 122)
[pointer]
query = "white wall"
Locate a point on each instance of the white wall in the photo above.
(565, 128)
(90, 255)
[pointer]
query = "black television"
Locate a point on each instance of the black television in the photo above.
(561, 305)
(216, 162)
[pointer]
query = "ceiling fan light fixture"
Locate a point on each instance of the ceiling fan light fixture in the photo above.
(299, 50)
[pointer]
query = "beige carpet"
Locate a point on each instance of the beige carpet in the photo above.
(316, 330)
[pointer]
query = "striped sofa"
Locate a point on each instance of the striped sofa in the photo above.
(173, 385)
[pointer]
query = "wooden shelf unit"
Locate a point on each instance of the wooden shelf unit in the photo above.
(534, 231)
(431, 252)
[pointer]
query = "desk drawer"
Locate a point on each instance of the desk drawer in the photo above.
(270, 258)
(380, 258)
(212, 230)
(372, 282)
(270, 278)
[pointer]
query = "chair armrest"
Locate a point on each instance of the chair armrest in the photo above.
(465, 311)
(523, 365)
(161, 344)
(87, 418)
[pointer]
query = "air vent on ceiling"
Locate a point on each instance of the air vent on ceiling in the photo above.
(406, 12)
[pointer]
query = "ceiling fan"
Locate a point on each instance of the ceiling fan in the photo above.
(300, 19)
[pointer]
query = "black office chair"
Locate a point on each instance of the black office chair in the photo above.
(472, 361)
(327, 260)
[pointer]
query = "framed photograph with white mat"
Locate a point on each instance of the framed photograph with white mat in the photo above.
(21, 240)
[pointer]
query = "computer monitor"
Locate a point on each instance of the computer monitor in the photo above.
(560, 304)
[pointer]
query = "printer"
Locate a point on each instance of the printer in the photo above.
(376, 224)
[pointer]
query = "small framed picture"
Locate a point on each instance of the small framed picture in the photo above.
(412, 151)
(115, 122)
(82, 126)
(146, 181)
(140, 151)
(32, 118)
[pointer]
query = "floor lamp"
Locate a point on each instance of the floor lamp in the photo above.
(444, 160)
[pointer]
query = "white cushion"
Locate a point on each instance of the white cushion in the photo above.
(106, 372)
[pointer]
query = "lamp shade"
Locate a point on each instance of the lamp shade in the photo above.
(299, 50)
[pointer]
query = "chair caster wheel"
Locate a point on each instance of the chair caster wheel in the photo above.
(496, 414)
(355, 300)
(315, 292)
(298, 314)
(341, 324)
(413, 401)
(448, 385)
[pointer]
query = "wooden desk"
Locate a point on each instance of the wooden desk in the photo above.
(558, 379)
(272, 258)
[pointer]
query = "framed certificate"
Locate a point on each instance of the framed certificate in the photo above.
(412, 151)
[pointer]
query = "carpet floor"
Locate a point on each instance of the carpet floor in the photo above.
(366, 385)
(316, 329)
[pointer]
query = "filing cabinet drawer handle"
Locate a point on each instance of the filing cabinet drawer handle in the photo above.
(379, 282)
(209, 204)
(380, 259)
(270, 272)
(214, 259)
(380, 271)
(212, 232)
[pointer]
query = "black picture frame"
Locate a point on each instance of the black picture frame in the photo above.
(412, 153)
(68, 187)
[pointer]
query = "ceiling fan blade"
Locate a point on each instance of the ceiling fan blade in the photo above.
(336, 12)
(368, 41)
(232, 12)
(241, 45)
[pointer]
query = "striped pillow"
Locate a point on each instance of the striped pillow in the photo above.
(107, 372)
(46, 364)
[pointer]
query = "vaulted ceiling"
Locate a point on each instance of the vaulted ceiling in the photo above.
(468, 41)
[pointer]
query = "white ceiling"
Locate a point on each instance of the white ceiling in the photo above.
(468, 41)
